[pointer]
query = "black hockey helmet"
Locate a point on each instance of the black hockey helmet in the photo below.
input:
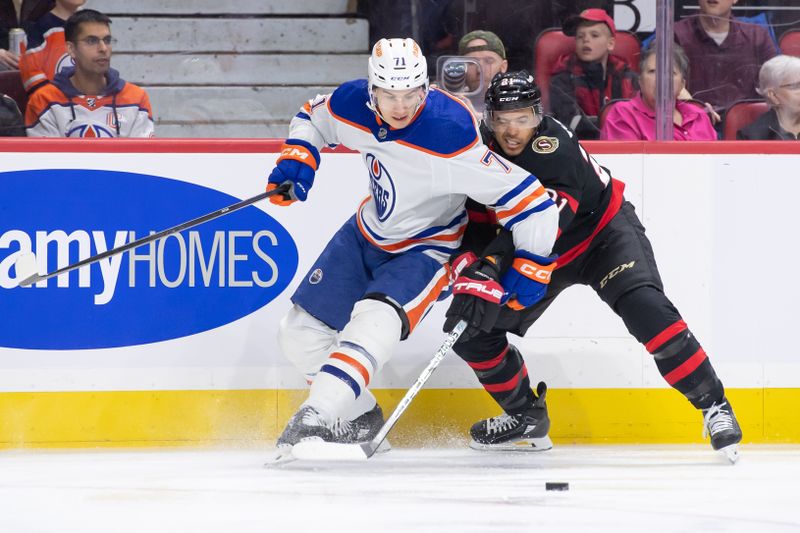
(513, 90)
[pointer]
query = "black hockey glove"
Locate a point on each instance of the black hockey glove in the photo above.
(476, 296)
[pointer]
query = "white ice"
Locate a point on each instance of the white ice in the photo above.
(611, 488)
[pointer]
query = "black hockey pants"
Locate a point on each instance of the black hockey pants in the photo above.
(620, 266)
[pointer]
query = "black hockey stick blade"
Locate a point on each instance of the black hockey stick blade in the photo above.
(27, 269)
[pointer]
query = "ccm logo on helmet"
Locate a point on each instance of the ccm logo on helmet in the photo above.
(508, 98)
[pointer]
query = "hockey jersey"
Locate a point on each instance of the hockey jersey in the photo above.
(586, 195)
(42, 62)
(421, 175)
(59, 110)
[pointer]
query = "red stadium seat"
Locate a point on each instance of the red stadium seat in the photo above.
(11, 84)
(552, 44)
(601, 118)
(790, 43)
(742, 114)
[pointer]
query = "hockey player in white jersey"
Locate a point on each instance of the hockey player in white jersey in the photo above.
(388, 264)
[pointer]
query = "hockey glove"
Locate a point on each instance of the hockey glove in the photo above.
(527, 279)
(476, 296)
(296, 165)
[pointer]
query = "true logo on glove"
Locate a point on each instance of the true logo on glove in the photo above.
(478, 289)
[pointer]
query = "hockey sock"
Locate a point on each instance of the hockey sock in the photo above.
(680, 359)
(503, 375)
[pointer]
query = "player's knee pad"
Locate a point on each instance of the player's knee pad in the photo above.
(646, 312)
(305, 341)
(482, 347)
(372, 334)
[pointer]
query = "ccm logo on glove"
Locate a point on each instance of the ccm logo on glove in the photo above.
(298, 153)
(297, 164)
(540, 273)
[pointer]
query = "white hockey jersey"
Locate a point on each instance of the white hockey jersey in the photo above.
(58, 109)
(421, 175)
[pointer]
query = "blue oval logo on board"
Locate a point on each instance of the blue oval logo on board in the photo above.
(382, 187)
(187, 283)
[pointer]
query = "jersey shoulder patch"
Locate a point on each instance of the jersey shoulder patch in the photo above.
(544, 144)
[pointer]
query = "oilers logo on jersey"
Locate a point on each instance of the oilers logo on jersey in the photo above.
(90, 130)
(382, 187)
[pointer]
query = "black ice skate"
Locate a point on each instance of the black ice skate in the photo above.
(307, 423)
(720, 422)
(361, 429)
(525, 431)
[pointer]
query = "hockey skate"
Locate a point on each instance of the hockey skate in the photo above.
(525, 431)
(307, 423)
(362, 429)
(720, 422)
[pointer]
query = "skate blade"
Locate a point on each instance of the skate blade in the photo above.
(730, 452)
(281, 456)
(539, 444)
(319, 450)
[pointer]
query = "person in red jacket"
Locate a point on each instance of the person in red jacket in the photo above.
(587, 79)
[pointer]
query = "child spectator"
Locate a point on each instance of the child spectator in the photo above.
(584, 81)
(89, 99)
(779, 84)
(46, 51)
(635, 119)
(725, 53)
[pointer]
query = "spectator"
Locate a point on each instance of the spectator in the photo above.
(10, 17)
(724, 52)
(587, 79)
(10, 118)
(488, 50)
(779, 84)
(46, 52)
(635, 119)
(89, 99)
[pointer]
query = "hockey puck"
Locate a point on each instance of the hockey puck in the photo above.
(556, 485)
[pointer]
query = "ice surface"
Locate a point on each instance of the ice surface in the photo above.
(612, 488)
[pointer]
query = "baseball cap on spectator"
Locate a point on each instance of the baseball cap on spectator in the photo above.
(570, 26)
(493, 43)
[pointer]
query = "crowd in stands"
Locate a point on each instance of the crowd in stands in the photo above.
(65, 70)
(601, 86)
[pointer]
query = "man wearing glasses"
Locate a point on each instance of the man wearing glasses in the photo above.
(89, 99)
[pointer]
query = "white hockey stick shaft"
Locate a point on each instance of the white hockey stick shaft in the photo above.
(448, 343)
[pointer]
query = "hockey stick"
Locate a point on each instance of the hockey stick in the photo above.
(334, 451)
(27, 268)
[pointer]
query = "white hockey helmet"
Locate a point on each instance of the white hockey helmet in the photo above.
(396, 64)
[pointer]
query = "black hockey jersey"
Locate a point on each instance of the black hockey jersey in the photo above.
(586, 195)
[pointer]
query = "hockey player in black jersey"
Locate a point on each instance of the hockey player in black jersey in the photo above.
(601, 243)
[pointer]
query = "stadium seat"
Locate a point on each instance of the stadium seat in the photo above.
(552, 44)
(790, 43)
(601, 118)
(742, 114)
(11, 84)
